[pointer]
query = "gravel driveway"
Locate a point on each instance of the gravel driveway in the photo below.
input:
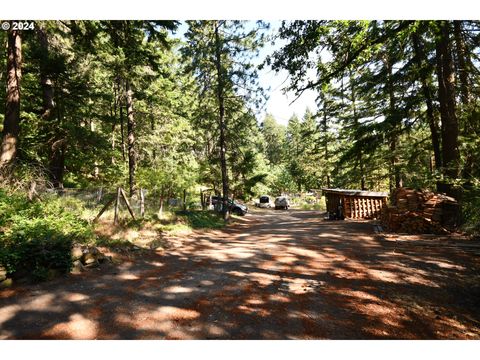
(273, 275)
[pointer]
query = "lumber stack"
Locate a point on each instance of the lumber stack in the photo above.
(419, 212)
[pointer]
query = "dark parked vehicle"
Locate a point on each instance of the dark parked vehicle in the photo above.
(237, 208)
(234, 207)
(281, 202)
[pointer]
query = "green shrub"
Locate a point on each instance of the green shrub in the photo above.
(38, 236)
(470, 211)
(318, 207)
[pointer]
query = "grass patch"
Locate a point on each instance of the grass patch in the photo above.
(318, 207)
(201, 219)
(150, 230)
(109, 242)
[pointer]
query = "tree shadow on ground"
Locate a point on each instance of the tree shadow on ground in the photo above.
(288, 276)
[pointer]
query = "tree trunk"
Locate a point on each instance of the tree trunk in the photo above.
(462, 63)
(184, 199)
(45, 80)
(58, 143)
(131, 139)
(57, 163)
(113, 116)
(122, 131)
(446, 90)
(96, 169)
(468, 127)
(11, 124)
(202, 200)
(325, 134)
(356, 124)
(152, 127)
(221, 119)
(393, 128)
(422, 65)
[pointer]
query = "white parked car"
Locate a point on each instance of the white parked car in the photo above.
(264, 202)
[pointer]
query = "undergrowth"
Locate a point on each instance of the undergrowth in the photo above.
(37, 236)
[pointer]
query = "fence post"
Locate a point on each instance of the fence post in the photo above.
(184, 199)
(130, 210)
(142, 203)
(99, 194)
(104, 208)
(117, 201)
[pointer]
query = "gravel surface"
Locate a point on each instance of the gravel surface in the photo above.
(272, 275)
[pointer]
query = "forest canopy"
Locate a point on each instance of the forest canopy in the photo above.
(176, 107)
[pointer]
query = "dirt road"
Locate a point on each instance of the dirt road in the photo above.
(274, 275)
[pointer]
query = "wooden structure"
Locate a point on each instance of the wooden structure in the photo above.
(420, 212)
(354, 204)
(120, 194)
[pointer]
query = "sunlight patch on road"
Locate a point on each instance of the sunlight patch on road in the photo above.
(77, 328)
(286, 259)
(251, 310)
(41, 300)
(76, 297)
(358, 294)
(446, 265)
(207, 282)
(279, 298)
(128, 277)
(7, 312)
(172, 312)
(384, 275)
(155, 263)
(305, 252)
(264, 279)
(177, 290)
(328, 235)
(237, 273)
(255, 301)
(300, 286)
(233, 253)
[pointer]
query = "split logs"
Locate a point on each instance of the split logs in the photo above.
(419, 212)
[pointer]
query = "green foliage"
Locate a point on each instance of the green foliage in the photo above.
(378, 100)
(37, 236)
(218, 54)
(470, 213)
(202, 219)
(317, 207)
(274, 136)
(372, 123)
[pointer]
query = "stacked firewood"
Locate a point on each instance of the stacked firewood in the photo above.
(419, 212)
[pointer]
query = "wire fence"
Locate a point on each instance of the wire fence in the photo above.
(96, 199)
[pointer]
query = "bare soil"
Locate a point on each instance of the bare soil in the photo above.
(272, 275)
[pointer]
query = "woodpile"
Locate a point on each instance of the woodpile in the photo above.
(419, 212)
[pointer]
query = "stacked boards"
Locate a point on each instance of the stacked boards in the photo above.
(354, 204)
